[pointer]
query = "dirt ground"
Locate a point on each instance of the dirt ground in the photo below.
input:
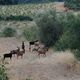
(51, 67)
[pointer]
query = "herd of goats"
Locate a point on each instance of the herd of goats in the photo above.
(39, 49)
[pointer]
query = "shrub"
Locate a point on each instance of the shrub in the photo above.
(1, 34)
(48, 26)
(3, 75)
(18, 18)
(28, 79)
(77, 53)
(9, 32)
(73, 4)
(30, 33)
(70, 38)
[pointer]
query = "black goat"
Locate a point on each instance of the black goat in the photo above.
(15, 51)
(8, 55)
(32, 43)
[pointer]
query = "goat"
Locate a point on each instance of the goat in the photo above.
(32, 43)
(15, 51)
(20, 53)
(23, 46)
(42, 51)
(9, 55)
(35, 49)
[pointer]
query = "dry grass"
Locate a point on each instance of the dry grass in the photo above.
(51, 67)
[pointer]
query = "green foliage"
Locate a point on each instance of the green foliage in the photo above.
(3, 75)
(20, 18)
(49, 27)
(28, 79)
(77, 53)
(1, 34)
(5, 2)
(70, 38)
(15, 18)
(9, 32)
(30, 33)
(73, 4)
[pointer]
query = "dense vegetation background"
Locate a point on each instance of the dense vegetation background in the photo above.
(73, 4)
(25, 1)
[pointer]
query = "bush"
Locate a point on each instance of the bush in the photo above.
(28, 79)
(16, 18)
(77, 53)
(73, 4)
(48, 26)
(70, 38)
(9, 32)
(1, 34)
(3, 75)
(30, 33)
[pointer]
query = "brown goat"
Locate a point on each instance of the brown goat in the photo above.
(42, 51)
(15, 51)
(20, 53)
(23, 46)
